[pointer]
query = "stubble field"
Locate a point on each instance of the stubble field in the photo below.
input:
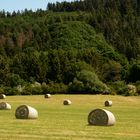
(59, 122)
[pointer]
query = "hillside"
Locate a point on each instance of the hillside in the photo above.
(76, 34)
(68, 51)
(118, 20)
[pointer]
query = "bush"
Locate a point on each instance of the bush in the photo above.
(119, 87)
(14, 80)
(76, 85)
(32, 89)
(111, 71)
(132, 90)
(1, 90)
(54, 88)
(87, 81)
(36, 88)
(27, 90)
(11, 91)
(137, 84)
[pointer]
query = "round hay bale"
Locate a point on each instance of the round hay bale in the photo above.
(108, 103)
(101, 117)
(26, 112)
(5, 106)
(67, 102)
(2, 96)
(47, 96)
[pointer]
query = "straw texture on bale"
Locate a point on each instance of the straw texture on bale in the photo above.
(2, 96)
(108, 103)
(67, 102)
(26, 112)
(101, 117)
(47, 96)
(5, 106)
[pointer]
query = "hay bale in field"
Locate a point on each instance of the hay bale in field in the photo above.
(108, 103)
(26, 112)
(5, 106)
(67, 102)
(101, 117)
(47, 96)
(2, 96)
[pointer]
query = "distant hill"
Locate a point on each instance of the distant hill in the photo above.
(76, 34)
(79, 46)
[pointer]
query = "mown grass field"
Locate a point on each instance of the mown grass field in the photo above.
(59, 122)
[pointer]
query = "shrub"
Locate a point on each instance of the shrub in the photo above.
(14, 80)
(76, 85)
(137, 84)
(132, 90)
(1, 90)
(134, 71)
(138, 89)
(11, 91)
(36, 90)
(53, 87)
(87, 81)
(111, 71)
(119, 87)
(27, 90)
(32, 89)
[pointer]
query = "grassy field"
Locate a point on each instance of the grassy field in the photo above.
(59, 122)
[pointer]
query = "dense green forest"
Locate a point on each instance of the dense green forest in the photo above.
(89, 46)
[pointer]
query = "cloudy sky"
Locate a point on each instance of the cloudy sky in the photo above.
(14, 5)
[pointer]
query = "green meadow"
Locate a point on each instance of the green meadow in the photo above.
(59, 122)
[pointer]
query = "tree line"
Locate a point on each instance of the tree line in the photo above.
(89, 46)
(118, 20)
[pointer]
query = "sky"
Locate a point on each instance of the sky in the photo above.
(15, 5)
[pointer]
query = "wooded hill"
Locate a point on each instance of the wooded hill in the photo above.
(89, 46)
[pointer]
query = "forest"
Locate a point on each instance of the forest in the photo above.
(85, 46)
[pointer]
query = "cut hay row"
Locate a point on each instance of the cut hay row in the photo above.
(5, 106)
(101, 117)
(26, 112)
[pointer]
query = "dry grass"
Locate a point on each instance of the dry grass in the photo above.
(59, 122)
